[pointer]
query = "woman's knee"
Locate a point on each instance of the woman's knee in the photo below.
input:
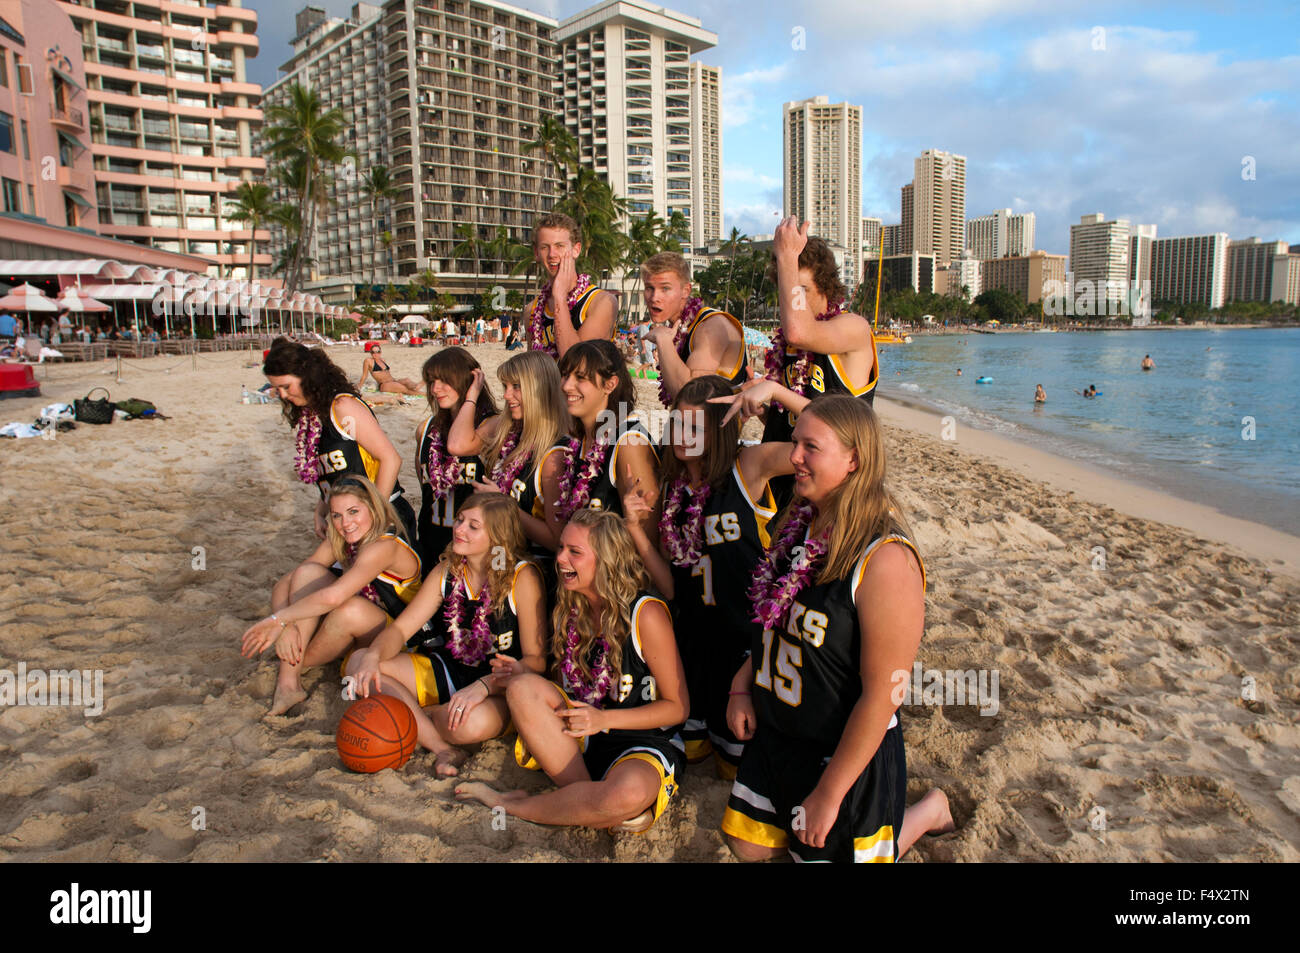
(750, 853)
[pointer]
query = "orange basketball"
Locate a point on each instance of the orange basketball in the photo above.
(376, 733)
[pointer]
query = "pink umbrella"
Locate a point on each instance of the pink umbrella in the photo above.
(27, 298)
(71, 300)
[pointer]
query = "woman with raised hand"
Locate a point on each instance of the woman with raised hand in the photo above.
(336, 432)
(840, 599)
(521, 447)
(716, 505)
(446, 479)
(343, 595)
(479, 619)
(611, 450)
(606, 731)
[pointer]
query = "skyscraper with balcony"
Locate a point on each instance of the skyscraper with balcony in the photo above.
(1190, 268)
(939, 211)
(1000, 234)
(823, 174)
(1251, 266)
(342, 61)
(172, 119)
(1099, 253)
(625, 91)
(907, 219)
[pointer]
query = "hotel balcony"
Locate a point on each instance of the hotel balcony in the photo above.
(75, 179)
(71, 118)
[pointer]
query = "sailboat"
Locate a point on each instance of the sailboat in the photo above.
(890, 335)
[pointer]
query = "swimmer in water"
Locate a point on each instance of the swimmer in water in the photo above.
(1147, 363)
(959, 372)
(1040, 395)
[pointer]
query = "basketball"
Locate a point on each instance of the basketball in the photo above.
(376, 733)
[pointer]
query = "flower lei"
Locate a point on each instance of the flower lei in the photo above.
(537, 320)
(504, 474)
(683, 542)
(576, 480)
(305, 444)
(774, 362)
(444, 469)
(468, 646)
(368, 591)
(602, 673)
(772, 596)
(684, 323)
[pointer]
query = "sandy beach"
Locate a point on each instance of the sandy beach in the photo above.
(1146, 652)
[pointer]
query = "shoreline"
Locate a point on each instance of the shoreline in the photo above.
(1277, 549)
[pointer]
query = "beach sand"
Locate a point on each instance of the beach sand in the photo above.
(1121, 731)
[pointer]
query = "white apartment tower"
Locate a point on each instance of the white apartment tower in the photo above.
(625, 93)
(939, 210)
(823, 174)
(1099, 252)
(1190, 268)
(1000, 234)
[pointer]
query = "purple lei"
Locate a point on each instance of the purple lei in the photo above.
(684, 322)
(771, 596)
(504, 474)
(368, 591)
(305, 444)
(468, 646)
(683, 542)
(537, 320)
(602, 673)
(576, 480)
(444, 469)
(774, 362)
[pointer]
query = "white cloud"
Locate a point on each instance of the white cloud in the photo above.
(740, 99)
(752, 220)
(732, 176)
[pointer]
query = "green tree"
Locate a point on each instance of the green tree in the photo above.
(470, 247)
(252, 205)
(377, 186)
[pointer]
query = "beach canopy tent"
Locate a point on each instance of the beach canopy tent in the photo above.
(66, 267)
(27, 298)
(70, 300)
(414, 319)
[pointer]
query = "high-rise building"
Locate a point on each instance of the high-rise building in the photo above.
(871, 237)
(903, 243)
(624, 92)
(341, 60)
(706, 152)
(1250, 269)
(1000, 234)
(172, 119)
(823, 174)
(1286, 277)
(914, 270)
(939, 204)
(892, 238)
(960, 273)
(1189, 268)
(1025, 276)
(466, 85)
(1139, 253)
(45, 166)
(1099, 253)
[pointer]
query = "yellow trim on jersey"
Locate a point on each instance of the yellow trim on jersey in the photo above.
(866, 557)
(514, 581)
(765, 511)
(426, 683)
(843, 375)
(643, 441)
(667, 782)
(421, 472)
(636, 621)
(746, 828)
(704, 315)
(583, 304)
(403, 586)
(876, 849)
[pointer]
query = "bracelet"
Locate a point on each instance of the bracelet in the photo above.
(740, 693)
(485, 685)
(276, 618)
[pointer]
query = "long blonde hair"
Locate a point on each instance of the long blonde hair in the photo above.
(383, 518)
(505, 530)
(546, 416)
(620, 575)
(862, 507)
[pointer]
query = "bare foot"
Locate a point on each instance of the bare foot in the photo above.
(285, 698)
(478, 791)
(446, 764)
(938, 812)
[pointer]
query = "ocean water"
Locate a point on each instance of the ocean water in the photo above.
(1216, 422)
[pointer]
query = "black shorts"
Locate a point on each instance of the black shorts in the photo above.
(710, 665)
(778, 773)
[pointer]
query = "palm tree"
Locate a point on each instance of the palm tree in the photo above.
(732, 245)
(377, 186)
(471, 246)
(303, 129)
(253, 205)
(558, 146)
(599, 213)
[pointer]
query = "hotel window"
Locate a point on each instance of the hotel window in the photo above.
(4, 67)
(13, 201)
(6, 132)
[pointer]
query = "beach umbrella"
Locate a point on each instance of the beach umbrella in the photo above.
(73, 300)
(414, 319)
(27, 298)
(756, 338)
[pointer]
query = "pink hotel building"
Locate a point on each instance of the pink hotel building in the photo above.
(168, 117)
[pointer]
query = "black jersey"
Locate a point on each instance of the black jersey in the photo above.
(636, 684)
(504, 627)
(338, 452)
(807, 675)
(395, 592)
(710, 596)
(825, 376)
(578, 313)
(604, 488)
(735, 374)
(438, 514)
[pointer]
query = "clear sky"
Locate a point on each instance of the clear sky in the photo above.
(1185, 115)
